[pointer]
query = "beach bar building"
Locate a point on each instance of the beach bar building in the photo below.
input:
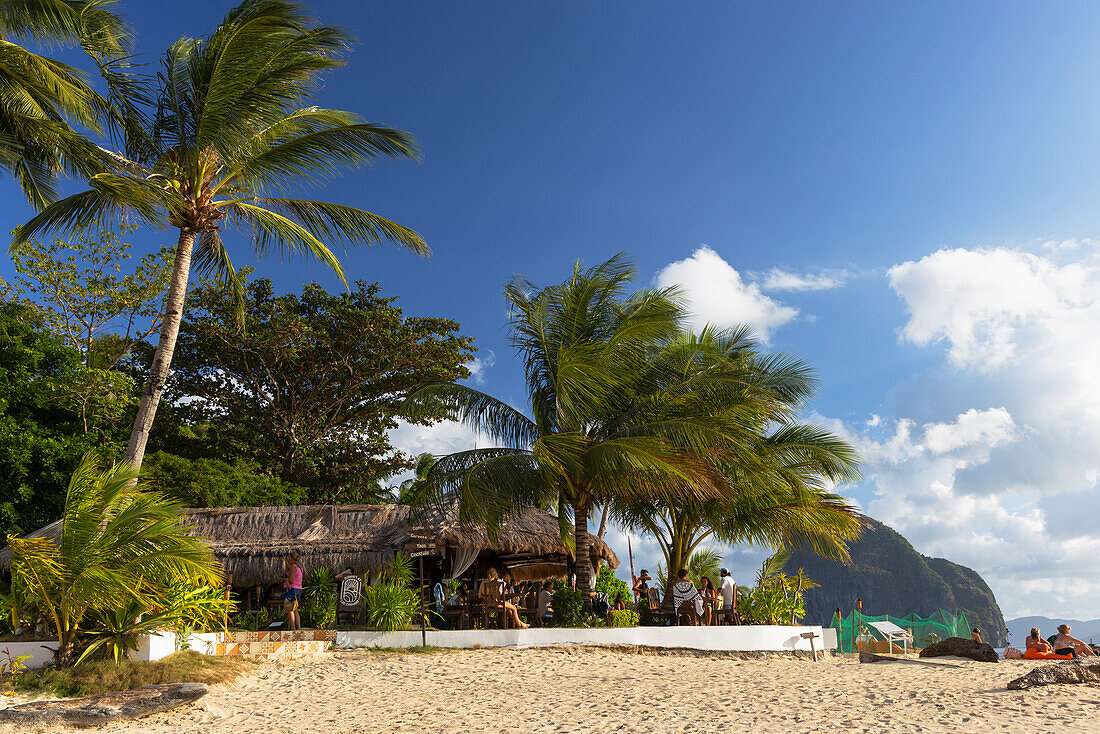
(251, 542)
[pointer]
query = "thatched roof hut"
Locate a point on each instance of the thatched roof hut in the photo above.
(251, 542)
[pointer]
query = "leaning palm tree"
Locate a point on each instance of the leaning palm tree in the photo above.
(221, 138)
(775, 487)
(587, 347)
(40, 97)
(116, 543)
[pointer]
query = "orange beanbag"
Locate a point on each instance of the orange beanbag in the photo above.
(1032, 654)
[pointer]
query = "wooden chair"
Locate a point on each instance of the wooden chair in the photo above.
(656, 609)
(493, 603)
(529, 607)
(459, 614)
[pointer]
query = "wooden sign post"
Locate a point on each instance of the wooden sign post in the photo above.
(423, 612)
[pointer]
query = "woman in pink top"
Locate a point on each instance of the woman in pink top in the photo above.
(292, 591)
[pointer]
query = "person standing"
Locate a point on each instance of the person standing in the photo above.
(727, 588)
(292, 591)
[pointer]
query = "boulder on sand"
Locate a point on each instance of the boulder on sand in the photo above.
(102, 709)
(1070, 671)
(962, 647)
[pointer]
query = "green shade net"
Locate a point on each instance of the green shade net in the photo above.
(938, 626)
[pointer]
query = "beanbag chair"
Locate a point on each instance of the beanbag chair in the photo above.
(1033, 654)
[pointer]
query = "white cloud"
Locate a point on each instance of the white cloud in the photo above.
(778, 279)
(445, 437)
(983, 302)
(717, 294)
(1003, 477)
(478, 366)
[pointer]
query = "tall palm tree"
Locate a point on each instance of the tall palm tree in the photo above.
(775, 487)
(221, 137)
(587, 347)
(116, 542)
(41, 97)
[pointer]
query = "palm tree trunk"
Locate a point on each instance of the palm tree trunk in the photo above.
(583, 559)
(166, 347)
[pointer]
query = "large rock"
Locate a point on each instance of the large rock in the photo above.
(893, 578)
(100, 710)
(1081, 670)
(981, 651)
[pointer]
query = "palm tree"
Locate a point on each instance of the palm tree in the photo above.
(117, 542)
(775, 486)
(41, 97)
(221, 137)
(587, 347)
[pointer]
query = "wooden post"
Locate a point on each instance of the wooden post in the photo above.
(839, 631)
(859, 623)
(423, 613)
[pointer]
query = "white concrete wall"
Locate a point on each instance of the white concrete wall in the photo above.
(750, 637)
(830, 638)
(150, 647)
(162, 644)
(39, 655)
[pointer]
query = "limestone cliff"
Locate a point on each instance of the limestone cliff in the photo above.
(893, 578)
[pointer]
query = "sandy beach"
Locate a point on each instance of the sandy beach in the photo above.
(600, 690)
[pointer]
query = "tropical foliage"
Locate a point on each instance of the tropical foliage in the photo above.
(117, 543)
(43, 96)
(703, 563)
(774, 487)
(776, 598)
(222, 137)
(585, 346)
(391, 604)
(630, 411)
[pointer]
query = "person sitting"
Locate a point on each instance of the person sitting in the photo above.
(620, 603)
(684, 593)
(708, 592)
(458, 598)
(1036, 648)
(546, 597)
(641, 584)
(491, 589)
(976, 635)
(1065, 644)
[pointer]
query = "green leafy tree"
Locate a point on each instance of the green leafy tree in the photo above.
(87, 301)
(591, 440)
(43, 97)
(117, 542)
(221, 137)
(85, 296)
(206, 482)
(310, 385)
(41, 440)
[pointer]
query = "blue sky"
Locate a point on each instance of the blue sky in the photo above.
(877, 186)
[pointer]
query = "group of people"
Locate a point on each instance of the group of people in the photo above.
(1062, 645)
(706, 603)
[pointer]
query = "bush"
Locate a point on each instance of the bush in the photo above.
(390, 606)
(622, 618)
(613, 586)
(319, 599)
(567, 605)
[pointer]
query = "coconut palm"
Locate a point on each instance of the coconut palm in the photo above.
(587, 347)
(41, 97)
(117, 542)
(775, 487)
(221, 138)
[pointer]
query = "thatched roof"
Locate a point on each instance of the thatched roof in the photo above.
(251, 542)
